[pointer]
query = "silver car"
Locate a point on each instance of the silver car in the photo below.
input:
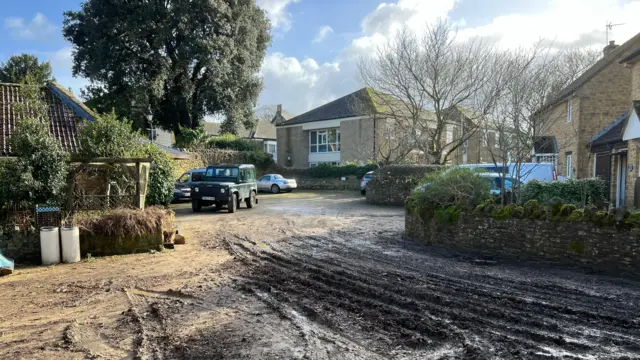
(365, 180)
(276, 183)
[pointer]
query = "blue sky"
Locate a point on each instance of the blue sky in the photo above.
(316, 43)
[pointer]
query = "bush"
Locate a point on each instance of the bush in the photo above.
(230, 142)
(161, 180)
(578, 192)
(39, 173)
(460, 188)
(108, 137)
(350, 169)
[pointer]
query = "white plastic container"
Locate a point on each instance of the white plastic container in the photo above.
(50, 245)
(70, 236)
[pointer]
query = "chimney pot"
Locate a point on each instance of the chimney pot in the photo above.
(279, 109)
(612, 45)
(612, 42)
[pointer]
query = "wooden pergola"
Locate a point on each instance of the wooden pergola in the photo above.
(137, 168)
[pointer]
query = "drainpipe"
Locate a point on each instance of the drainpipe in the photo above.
(610, 176)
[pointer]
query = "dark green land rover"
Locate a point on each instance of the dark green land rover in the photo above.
(225, 185)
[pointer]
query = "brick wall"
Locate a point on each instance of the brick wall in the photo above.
(635, 81)
(603, 249)
(293, 143)
(356, 140)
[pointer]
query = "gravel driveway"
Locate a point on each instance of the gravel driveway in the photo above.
(326, 276)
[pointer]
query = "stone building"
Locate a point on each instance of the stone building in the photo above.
(584, 107)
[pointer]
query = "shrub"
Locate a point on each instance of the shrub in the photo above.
(161, 180)
(230, 142)
(39, 173)
(576, 215)
(108, 137)
(324, 170)
(579, 192)
(455, 188)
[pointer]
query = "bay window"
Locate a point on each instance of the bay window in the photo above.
(323, 141)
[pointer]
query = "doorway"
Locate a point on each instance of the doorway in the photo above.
(621, 191)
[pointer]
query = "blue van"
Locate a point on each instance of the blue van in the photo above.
(528, 171)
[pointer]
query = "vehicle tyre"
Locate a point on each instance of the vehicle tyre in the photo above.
(196, 206)
(233, 203)
(363, 192)
(275, 189)
(251, 200)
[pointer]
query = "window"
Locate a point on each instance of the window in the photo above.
(390, 129)
(265, 178)
(569, 111)
(497, 141)
(197, 176)
(278, 177)
(271, 148)
(449, 134)
(184, 178)
(323, 141)
(569, 164)
(222, 172)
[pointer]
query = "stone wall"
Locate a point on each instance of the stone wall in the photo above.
(392, 185)
(306, 182)
(602, 249)
(20, 246)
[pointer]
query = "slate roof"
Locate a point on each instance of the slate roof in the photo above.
(632, 58)
(64, 115)
(175, 154)
(594, 70)
(347, 106)
(612, 133)
(264, 130)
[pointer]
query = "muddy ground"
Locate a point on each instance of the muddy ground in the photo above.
(313, 276)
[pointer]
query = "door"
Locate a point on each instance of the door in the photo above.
(263, 183)
(603, 169)
(622, 181)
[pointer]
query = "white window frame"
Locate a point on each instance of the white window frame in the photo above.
(449, 134)
(390, 129)
(568, 166)
(323, 135)
(569, 111)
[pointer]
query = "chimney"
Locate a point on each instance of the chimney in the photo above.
(607, 49)
(279, 109)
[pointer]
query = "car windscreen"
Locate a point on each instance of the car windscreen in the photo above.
(215, 173)
(278, 177)
(368, 176)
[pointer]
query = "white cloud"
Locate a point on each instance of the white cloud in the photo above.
(277, 12)
(303, 84)
(37, 29)
(323, 32)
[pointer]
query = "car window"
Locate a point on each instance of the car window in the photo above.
(184, 178)
(222, 172)
(278, 177)
(197, 176)
(265, 178)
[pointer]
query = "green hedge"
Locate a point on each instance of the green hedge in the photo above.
(230, 142)
(407, 170)
(579, 192)
(334, 171)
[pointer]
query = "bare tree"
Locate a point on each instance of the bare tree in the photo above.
(427, 76)
(534, 77)
(266, 112)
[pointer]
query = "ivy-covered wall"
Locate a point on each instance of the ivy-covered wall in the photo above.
(599, 247)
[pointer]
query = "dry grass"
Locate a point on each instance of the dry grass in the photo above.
(125, 222)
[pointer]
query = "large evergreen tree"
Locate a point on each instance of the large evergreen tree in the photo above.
(18, 67)
(183, 59)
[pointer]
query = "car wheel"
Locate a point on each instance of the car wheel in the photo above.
(233, 203)
(363, 192)
(251, 200)
(196, 206)
(275, 189)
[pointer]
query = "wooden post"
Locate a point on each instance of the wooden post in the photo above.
(138, 198)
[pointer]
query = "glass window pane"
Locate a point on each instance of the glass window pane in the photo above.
(332, 136)
(322, 148)
(333, 147)
(314, 137)
(314, 148)
(184, 178)
(196, 176)
(322, 137)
